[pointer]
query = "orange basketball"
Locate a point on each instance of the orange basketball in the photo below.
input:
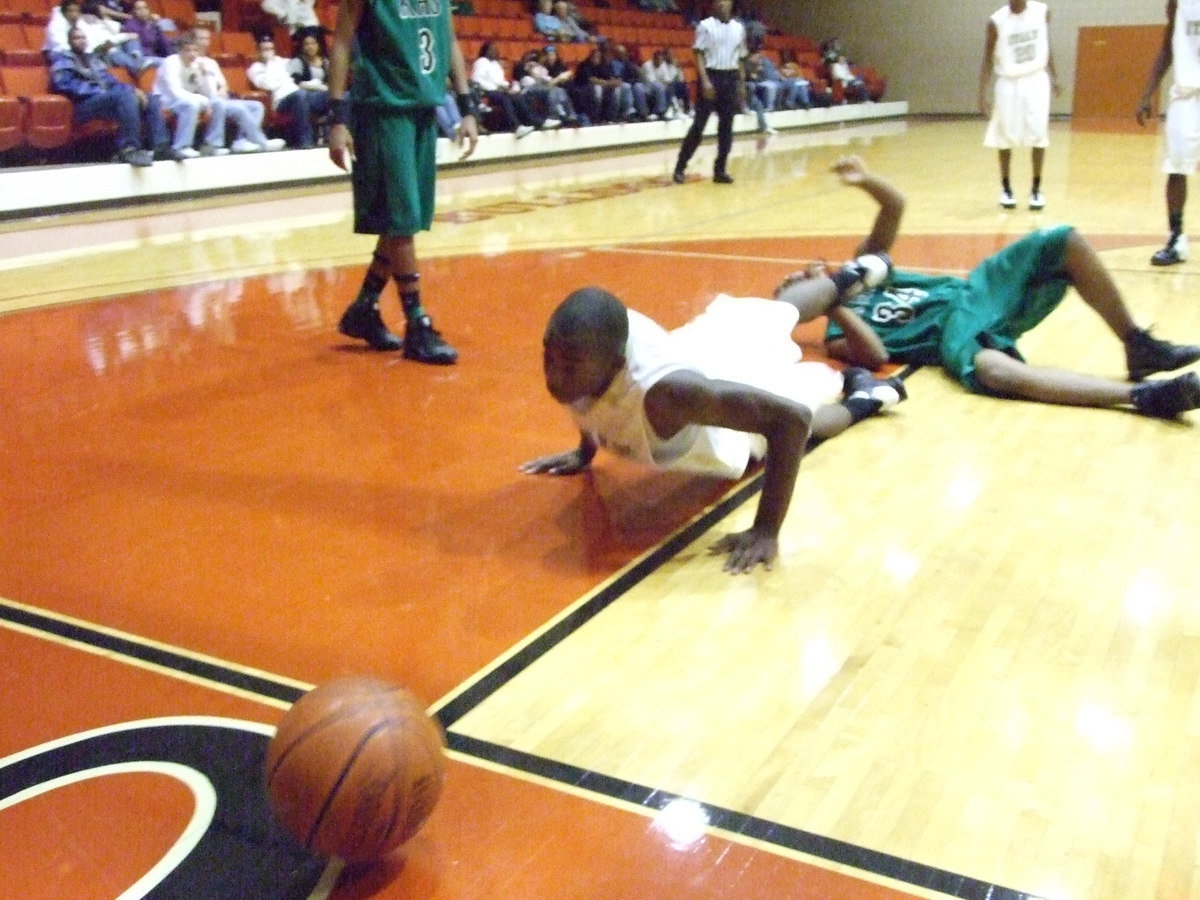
(355, 768)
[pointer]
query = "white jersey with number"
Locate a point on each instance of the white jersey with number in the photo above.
(746, 340)
(1185, 46)
(1022, 40)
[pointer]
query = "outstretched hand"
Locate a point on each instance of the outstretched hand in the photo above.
(851, 169)
(569, 463)
(747, 549)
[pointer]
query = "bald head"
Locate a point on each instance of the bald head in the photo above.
(584, 345)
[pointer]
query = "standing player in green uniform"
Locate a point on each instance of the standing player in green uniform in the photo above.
(970, 326)
(399, 54)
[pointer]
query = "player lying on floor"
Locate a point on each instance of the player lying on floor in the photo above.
(970, 325)
(713, 397)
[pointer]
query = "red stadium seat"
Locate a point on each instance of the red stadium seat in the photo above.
(12, 123)
(12, 36)
(48, 116)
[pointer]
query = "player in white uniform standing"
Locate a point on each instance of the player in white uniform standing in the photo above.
(1180, 51)
(1017, 54)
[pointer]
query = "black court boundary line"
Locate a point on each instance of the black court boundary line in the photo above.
(215, 672)
(874, 861)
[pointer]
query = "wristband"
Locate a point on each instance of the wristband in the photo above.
(466, 105)
(337, 110)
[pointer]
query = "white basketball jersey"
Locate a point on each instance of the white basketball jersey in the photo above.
(617, 420)
(1022, 40)
(1185, 45)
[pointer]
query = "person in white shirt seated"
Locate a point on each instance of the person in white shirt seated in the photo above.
(661, 69)
(508, 110)
(246, 115)
(270, 73)
(190, 85)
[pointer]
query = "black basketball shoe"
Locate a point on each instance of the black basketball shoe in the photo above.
(423, 343)
(1167, 399)
(362, 321)
(1146, 355)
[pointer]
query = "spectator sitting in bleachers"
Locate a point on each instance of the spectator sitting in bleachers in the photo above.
(599, 93)
(189, 84)
(302, 108)
(550, 26)
(854, 88)
(563, 76)
(293, 15)
(181, 85)
(661, 69)
(149, 30)
(579, 30)
(761, 93)
(95, 93)
(246, 115)
(811, 94)
(507, 109)
(537, 84)
(119, 48)
(794, 88)
(649, 97)
(310, 66)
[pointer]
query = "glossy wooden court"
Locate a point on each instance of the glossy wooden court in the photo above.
(972, 674)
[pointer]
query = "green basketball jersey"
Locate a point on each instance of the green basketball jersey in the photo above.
(402, 54)
(908, 314)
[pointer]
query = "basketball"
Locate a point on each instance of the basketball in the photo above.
(355, 768)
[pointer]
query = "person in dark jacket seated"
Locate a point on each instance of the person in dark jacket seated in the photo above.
(95, 93)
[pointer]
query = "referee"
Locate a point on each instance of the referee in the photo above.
(720, 48)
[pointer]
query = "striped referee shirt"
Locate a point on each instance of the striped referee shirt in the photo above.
(723, 43)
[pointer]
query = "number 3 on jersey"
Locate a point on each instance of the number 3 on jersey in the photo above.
(428, 56)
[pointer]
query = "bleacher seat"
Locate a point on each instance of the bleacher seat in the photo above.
(12, 122)
(47, 116)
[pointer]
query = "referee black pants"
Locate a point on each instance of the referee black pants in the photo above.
(725, 104)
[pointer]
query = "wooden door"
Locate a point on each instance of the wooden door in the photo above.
(1111, 66)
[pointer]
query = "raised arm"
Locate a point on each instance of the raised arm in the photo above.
(1162, 62)
(687, 398)
(853, 172)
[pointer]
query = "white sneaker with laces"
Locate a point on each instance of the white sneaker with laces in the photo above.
(244, 145)
(272, 145)
(1036, 200)
(186, 153)
(1006, 199)
(523, 130)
